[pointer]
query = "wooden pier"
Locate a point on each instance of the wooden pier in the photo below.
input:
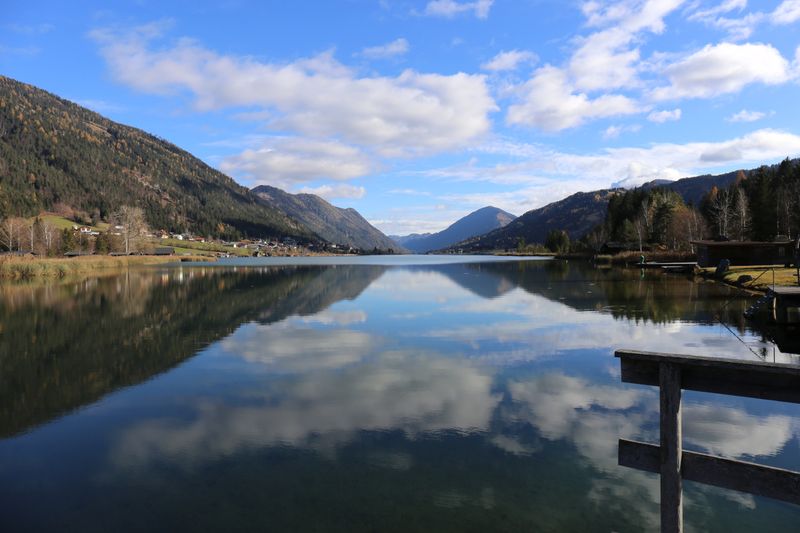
(674, 373)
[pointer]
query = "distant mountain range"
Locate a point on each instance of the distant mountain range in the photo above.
(579, 213)
(331, 223)
(476, 223)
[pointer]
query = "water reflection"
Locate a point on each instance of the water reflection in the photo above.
(410, 393)
(67, 345)
(435, 397)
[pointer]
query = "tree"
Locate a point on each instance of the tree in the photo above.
(721, 208)
(686, 225)
(49, 237)
(557, 241)
(68, 243)
(10, 233)
(132, 226)
(102, 244)
(741, 214)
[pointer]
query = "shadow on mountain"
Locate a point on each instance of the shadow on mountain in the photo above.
(65, 346)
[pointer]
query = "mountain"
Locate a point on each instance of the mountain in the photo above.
(403, 239)
(579, 213)
(333, 224)
(58, 156)
(693, 189)
(576, 214)
(476, 223)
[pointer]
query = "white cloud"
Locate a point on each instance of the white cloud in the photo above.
(413, 113)
(723, 7)
(724, 68)
(543, 175)
(606, 60)
(787, 12)
(746, 116)
(664, 115)
(550, 103)
(332, 192)
(737, 28)
(285, 161)
(509, 60)
(612, 132)
(392, 49)
(451, 8)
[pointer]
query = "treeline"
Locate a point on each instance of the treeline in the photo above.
(762, 204)
(41, 237)
(57, 156)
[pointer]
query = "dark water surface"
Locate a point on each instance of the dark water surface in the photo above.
(385, 396)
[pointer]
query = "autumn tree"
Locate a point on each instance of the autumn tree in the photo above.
(132, 226)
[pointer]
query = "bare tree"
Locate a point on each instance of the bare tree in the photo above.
(10, 229)
(645, 216)
(721, 208)
(132, 226)
(49, 233)
(741, 214)
(32, 233)
(640, 225)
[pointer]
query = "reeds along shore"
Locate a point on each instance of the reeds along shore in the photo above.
(20, 268)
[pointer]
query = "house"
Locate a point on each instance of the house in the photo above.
(164, 250)
(743, 253)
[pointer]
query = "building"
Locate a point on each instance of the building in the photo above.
(743, 253)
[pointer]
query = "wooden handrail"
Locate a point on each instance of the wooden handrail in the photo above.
(672, 373)
(753, 379)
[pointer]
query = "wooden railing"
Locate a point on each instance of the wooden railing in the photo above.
(672, 374)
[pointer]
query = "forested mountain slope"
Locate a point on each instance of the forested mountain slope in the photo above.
(58, 156)
(334, 224)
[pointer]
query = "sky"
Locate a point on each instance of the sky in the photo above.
(416, 113)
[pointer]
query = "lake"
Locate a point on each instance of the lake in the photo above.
(368, 394)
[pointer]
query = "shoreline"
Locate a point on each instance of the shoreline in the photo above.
(15, 268)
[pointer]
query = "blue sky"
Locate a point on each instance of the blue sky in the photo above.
(417, 113)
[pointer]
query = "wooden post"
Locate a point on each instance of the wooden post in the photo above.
(671, 448)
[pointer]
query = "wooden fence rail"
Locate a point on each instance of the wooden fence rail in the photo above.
(674, 373)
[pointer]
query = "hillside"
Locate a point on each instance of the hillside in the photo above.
(693, 189)
(476, 223)
(576, 214)
(58, 156)
(333, 224)
(579, 213)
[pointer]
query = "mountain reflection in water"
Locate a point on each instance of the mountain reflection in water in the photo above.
(461, 396)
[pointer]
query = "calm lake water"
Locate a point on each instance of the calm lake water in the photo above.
(375, 394)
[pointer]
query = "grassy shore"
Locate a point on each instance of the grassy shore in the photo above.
(763, 277)
(18, 268)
